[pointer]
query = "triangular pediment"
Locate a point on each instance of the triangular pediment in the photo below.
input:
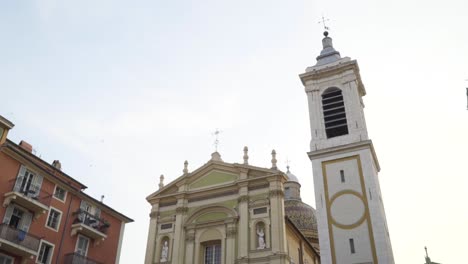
(211, 175)
(213, 178)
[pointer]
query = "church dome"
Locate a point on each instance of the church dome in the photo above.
(301, 214)
(303, 217)
(292, 177)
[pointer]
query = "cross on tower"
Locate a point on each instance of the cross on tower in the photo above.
(323, 21)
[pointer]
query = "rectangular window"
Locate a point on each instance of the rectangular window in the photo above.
(82, 245)
(4, 259)
(28, 183)
(342, 175)
(60, 193)
(351, 246)
(260, 210)
(213, 254)
(53, 221)
(166, 226)
(45, 253)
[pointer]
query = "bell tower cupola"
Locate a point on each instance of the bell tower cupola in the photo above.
(334, 93)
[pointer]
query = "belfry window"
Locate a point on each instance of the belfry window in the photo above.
(334, 113)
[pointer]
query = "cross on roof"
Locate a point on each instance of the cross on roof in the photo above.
(216, 142)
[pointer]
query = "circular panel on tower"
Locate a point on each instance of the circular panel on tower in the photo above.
(347, 210)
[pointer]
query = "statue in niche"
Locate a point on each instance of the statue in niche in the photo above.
(261, 238)
(164, 252)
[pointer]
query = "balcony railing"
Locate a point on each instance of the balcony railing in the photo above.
(75, 258)
(91, 220)
(20, 240)
(29, 196)
(90, 226)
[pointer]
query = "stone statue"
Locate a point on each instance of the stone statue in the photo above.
(164, 252)
(261, 238)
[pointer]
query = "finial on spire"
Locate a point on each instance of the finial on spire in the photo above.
(246, 155)
(273, 160)
(185, 167)
(161, 181)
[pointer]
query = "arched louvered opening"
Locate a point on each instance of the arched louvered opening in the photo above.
(334, 113)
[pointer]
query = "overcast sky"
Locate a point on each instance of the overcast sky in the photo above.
(123, 91)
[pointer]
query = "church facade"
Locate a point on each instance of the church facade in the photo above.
(239, 213)
(231, 213)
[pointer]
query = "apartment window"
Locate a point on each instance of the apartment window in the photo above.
(82, 244)
(342, 176)
(213, 253)
(60, 193)
(334, 113)
(28, 183)
(4, 259)
(45, 253)
(351, 246)
(18, 218)
(53, 221)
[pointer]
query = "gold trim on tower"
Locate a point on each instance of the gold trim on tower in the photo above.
(362, 196)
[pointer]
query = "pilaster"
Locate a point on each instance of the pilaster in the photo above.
(151, 241)
(243, 207)
(179, 241)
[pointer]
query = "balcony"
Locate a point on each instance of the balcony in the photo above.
(29, 197)
(18, 242)
(90, 226)
(75, 258)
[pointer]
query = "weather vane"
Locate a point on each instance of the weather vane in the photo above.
(323, 21)
(216, 142)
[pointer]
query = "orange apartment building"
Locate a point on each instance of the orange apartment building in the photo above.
(45, 215)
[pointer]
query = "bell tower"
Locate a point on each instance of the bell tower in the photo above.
(351, 218)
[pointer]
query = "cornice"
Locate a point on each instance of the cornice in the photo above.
(334, 70)
(327, 152)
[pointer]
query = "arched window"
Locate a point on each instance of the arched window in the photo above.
(334, 113)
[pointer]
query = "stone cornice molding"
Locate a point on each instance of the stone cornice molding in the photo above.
(333, 71)
(366, 144)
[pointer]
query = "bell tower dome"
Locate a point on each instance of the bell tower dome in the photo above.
(350, 214)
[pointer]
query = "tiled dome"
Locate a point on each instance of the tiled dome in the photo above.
(303, 217)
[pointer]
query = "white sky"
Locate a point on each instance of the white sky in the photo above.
(123, 91)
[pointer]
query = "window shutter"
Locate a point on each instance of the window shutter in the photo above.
(37, 183)
(97, 212)
(84, 206)
(8, 213)
(19, 178)
(26, 221)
